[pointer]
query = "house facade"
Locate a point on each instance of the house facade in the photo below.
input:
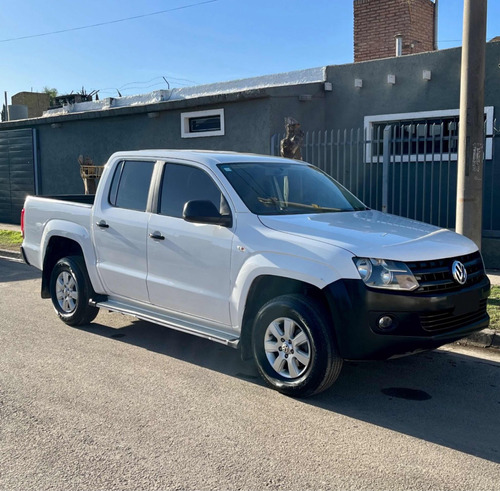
(409, 92)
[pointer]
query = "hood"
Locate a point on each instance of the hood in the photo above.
(374, 234)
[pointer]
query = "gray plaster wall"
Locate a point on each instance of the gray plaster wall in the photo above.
(252, 117)
(347, 105)
(286, 101)
(250, 121)
(246, 130)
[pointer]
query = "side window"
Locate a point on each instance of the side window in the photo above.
(183, 183)
(130, 185)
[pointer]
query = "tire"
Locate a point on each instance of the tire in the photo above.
(294, 351)
(70, 290)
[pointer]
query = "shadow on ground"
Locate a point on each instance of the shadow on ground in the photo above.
(17, 271)
(442, 397)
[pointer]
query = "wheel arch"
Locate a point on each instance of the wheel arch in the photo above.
(266, 287)
(62, 238)
(57, 248)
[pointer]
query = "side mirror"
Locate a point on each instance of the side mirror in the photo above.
(201, 211)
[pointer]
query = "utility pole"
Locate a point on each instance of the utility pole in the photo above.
(471, 133)
(7, 115)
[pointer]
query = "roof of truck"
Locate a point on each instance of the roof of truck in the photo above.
(203, 156)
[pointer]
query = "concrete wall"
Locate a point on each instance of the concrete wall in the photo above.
(247, 125)
(410, 93)
(251, 118)
(286, 101)
(347, 105)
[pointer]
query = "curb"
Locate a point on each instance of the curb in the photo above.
(487, 338)
(10, 254)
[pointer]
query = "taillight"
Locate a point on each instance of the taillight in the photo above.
(22, 222)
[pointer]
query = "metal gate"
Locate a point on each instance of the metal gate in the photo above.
(410, 172)
(17, 172)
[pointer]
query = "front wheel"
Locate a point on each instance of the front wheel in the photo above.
(294, 351)
(70, 290)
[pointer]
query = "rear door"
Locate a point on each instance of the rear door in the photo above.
(120, 230)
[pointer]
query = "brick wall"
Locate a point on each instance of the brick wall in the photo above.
(377, 22)
(37, 102)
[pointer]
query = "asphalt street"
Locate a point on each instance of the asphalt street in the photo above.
(124, 404)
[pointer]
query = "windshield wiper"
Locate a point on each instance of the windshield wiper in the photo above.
(281, 205)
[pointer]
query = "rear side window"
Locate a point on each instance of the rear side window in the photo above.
(183, 183)
(130, 185)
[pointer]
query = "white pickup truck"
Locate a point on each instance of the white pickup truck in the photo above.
(264, 254)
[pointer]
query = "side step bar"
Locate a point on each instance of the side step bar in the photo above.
(171, 322)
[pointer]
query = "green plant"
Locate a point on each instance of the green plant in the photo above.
(10, 239)
(494, 308)
(52, 92)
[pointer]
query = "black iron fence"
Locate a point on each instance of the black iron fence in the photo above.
(406, 169)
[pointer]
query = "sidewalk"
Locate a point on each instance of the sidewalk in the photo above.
(494, 276)
(9, 226)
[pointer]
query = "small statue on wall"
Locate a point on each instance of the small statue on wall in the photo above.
(90, 174)
(290, 145)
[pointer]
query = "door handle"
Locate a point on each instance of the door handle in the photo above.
(102, 224)
(156, 236)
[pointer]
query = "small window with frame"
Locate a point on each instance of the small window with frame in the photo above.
(198, 124)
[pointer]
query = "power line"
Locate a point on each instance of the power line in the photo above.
(141, 84)
(108, 22)
(157, 78)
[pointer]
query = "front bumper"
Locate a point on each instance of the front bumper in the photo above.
(420, 321)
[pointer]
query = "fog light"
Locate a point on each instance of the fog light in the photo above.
(385, 322)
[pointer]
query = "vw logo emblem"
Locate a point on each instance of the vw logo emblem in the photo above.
(459, 272)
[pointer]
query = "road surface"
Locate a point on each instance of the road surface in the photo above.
(124, 404)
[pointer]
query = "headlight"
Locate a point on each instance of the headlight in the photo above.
(381, 273)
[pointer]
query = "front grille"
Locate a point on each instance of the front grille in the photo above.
(436, 276)
(445, 320)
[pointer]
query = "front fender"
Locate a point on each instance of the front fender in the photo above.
(312, 272)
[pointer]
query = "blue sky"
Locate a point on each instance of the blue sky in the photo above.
(210, 42)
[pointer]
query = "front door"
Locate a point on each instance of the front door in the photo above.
(189, 263)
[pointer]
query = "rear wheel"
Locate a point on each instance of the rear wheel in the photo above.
(293, 348)
(70, 290)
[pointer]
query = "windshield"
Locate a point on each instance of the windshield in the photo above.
(287, 188)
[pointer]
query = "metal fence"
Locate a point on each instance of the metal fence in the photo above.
(408, 170)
